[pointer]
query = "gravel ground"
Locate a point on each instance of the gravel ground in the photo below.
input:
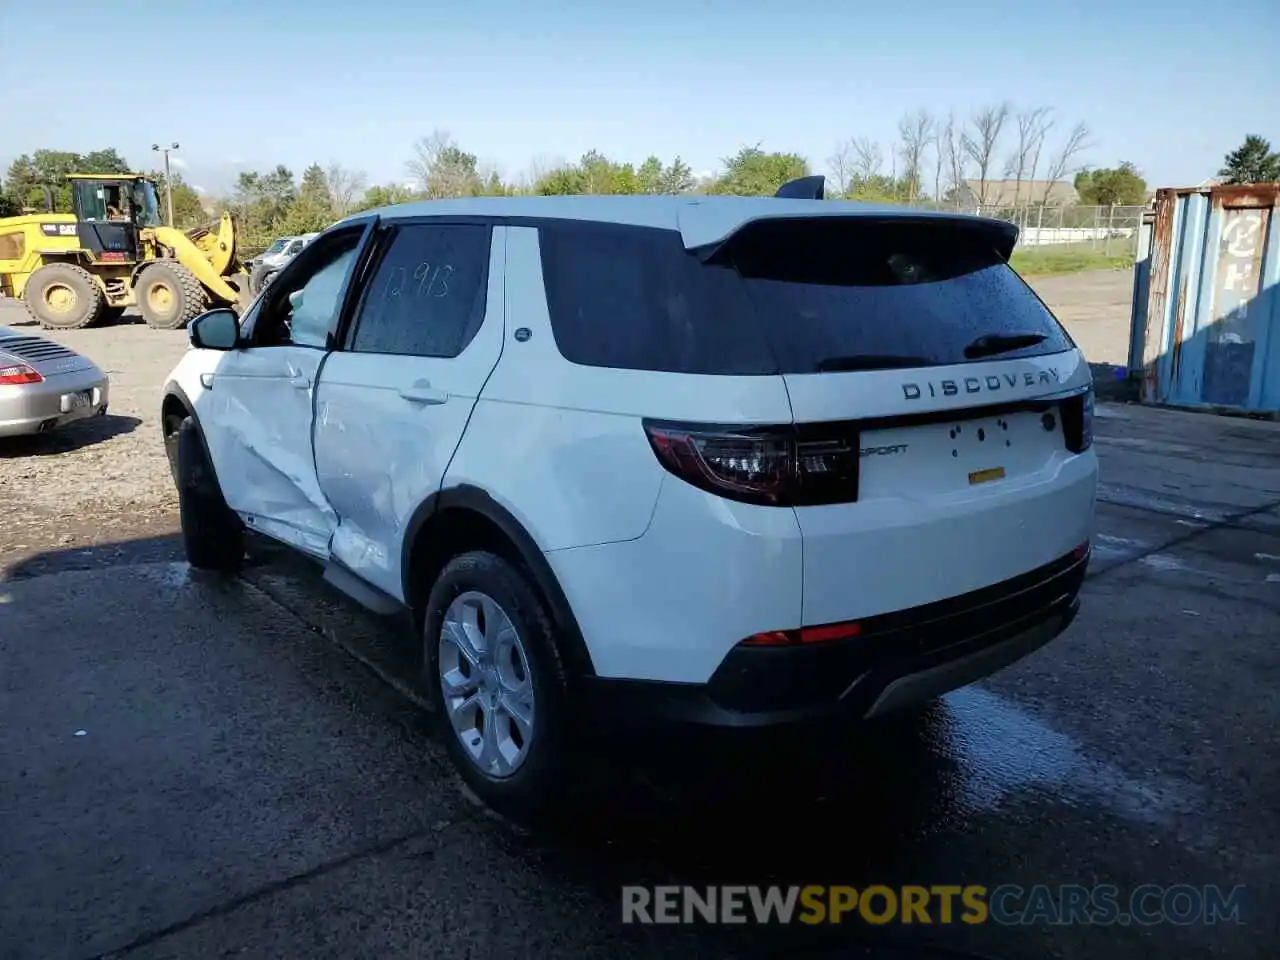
(107, 480)
(102, 480)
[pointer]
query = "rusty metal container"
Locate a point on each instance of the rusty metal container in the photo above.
(1208, 319)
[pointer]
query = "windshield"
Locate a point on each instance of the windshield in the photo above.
(274, 248)
(146, 208)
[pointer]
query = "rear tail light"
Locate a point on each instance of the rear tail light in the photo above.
(805, 635)
(13, 374)
(779, 466)
(1077, 421)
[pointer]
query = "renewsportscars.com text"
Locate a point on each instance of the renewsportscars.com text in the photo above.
(1007, 904)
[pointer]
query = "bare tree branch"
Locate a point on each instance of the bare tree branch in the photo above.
(914, 131)
(1061, 163)
(1031, 126)
(867, 158)
(840, 163)
(346, 187)
(539, 168)
(426, 154)
(957, 162)
(982, 145)
(939, 159)
(441, 169)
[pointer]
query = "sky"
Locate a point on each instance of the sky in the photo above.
(247, 86)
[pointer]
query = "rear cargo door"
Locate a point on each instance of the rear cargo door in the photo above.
(915, 340)
(919, 334)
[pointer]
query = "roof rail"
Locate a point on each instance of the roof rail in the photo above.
(804, 188)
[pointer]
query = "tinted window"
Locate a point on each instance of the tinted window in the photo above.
(427, 295)
(632, 297)
(301, 307)
(787, 296)
(315, 305)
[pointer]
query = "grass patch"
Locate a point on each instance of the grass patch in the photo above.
(1058, 258)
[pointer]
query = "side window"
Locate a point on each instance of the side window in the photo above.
(301, 306)
(427, 296)
(294, 247)
(633, 298)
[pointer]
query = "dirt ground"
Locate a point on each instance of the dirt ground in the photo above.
(107, 480)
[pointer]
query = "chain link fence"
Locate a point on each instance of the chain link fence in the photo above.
(1108, 230)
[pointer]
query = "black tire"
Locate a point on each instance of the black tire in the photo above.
(261, 277)
(62, 296)
(170, 296)
(212, 535)
(538, 782)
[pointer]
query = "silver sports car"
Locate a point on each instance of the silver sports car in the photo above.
(44, 384)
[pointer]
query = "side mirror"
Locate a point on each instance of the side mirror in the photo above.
(215, 330)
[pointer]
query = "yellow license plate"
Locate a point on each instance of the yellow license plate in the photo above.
(986, 476)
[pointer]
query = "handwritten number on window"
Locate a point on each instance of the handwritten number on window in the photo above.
(430, 280)
(433, 281)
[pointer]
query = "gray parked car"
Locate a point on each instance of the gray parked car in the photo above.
(44, 384)
(264, 267)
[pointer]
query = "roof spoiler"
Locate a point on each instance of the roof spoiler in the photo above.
(804, 188)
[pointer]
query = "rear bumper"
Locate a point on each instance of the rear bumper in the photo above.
(900, 659)
(37, 407)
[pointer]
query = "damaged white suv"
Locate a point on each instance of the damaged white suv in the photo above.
(720, 460)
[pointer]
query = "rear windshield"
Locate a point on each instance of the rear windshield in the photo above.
(787, 297)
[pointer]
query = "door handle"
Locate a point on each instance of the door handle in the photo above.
(423, 392)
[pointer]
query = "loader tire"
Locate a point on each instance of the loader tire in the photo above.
(62, 296)
(170, 296)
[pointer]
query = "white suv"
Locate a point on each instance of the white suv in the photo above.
(730, 461)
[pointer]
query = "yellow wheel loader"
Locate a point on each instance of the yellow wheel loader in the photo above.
(75, 269)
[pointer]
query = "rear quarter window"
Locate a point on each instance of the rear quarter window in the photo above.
(634, 298)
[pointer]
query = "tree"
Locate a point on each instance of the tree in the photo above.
(983, 143)
(1251, 162)
(1117, 186)
(957, 162)
(867, 159)
(384, 196)
(442, 169)
(30, 174)
(652, 177)
(312, 209)
(9, 207)
(1062, 162)
(1032, 125)
(595, 173)
(601, 175)
(188, 210)
(261, 201)
(915, 131)
(103, 161)
(840, 164)
(752, 172)
(346, 186)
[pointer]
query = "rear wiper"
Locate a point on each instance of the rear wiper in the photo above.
(870, 361)
(989, 344)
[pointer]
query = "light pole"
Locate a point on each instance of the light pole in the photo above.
(168, 179)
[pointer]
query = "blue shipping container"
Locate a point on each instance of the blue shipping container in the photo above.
(1210, 323)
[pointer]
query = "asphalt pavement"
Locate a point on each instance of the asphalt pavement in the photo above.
(195, 767)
